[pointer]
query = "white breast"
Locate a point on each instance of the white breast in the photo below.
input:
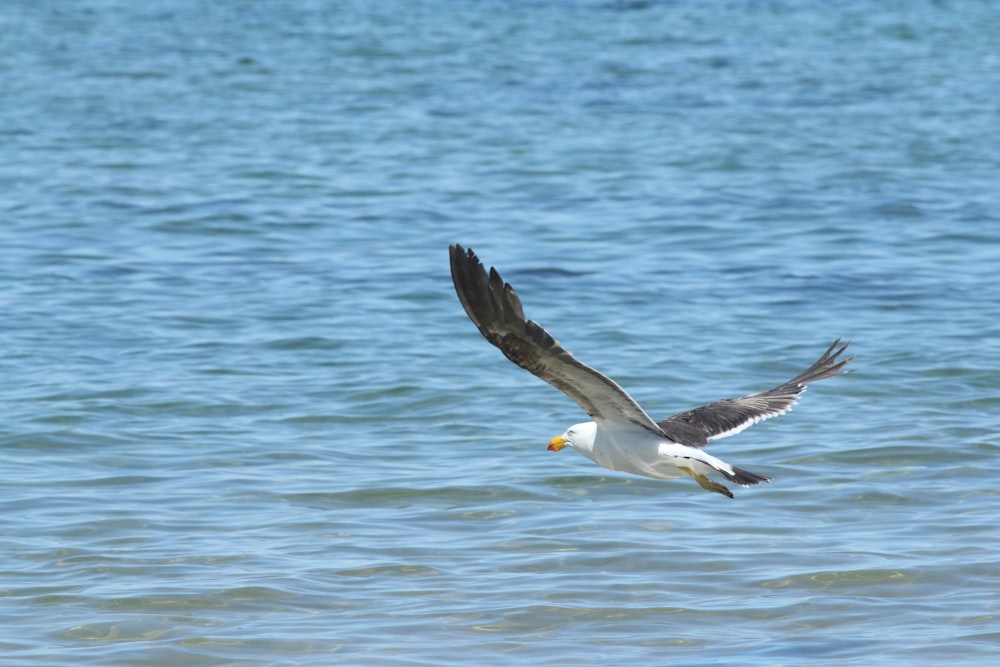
(635, 451)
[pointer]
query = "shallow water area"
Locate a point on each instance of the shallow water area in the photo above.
(246, 422)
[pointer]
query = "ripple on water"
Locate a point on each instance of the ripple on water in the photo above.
(247, 422)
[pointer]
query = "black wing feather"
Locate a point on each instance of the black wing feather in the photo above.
(496, 310)
(731, 415)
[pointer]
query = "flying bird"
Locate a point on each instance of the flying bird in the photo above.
(622, 436)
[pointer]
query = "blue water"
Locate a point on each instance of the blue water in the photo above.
(245, 420)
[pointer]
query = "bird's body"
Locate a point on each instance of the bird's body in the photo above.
(622, 436)
(650, 455)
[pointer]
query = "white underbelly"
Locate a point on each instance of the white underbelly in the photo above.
(637, 455)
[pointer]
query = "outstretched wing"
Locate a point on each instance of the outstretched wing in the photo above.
(731, 415)
(496, 310)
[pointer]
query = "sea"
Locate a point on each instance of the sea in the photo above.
(244, 419)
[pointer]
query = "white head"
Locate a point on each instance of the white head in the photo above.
(578, 436)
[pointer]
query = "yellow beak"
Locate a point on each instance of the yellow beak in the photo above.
(557, 443)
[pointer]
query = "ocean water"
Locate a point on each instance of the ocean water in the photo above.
(245, 420)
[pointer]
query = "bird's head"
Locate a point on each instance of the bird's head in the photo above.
(579, 436)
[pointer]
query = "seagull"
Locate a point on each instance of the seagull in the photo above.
(622, 436)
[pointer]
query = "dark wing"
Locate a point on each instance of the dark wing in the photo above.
(731, 415)
(496, 310)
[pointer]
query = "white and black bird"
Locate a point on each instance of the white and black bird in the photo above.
(622, 436)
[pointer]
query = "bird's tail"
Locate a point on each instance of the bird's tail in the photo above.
(744, 477)
(731, 473)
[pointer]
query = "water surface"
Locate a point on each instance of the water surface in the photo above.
(245, 420)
